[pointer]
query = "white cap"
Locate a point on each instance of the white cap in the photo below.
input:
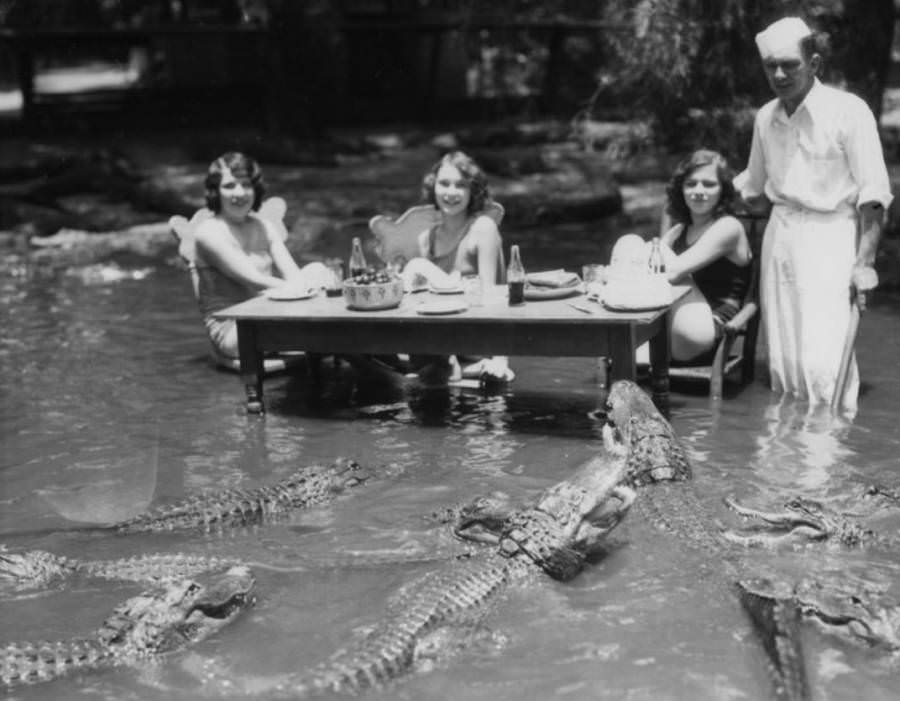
(786, 33)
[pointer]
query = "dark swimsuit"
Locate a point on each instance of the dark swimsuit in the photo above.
(723, 283)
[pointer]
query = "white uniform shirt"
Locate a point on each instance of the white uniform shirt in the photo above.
(825, 157)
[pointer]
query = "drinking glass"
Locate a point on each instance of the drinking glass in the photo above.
(594, 276)
(474, 290)
(335, 285)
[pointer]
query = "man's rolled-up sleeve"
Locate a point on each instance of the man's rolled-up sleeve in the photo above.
(751, 182)
(866, 159)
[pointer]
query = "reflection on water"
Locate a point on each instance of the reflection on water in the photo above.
(110, 405)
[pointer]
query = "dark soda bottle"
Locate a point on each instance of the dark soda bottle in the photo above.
(357, 259)
(656, 263)
(515, 277)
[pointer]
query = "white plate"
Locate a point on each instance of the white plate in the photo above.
(445, 290)
(286, 294)
(634, 307)
(444, 306)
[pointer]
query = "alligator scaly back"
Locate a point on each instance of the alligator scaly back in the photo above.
(456, 593)
(169, 618)
(230, 508)
(573, 516)
(776, 618)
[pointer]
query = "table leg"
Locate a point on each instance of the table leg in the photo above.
(659, 365)
(603, 382)
(620, 363)
(252, 369)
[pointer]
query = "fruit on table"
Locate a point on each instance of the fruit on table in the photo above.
(372, 276)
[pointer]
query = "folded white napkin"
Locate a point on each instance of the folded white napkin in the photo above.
(553, 278)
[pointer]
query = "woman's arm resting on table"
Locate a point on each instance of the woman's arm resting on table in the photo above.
(282, 258)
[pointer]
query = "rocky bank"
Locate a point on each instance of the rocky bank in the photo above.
(70, 202)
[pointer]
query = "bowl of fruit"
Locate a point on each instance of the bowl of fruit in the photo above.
(373, 289)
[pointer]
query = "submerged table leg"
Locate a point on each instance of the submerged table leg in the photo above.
(659, 365)
(603, 382)
(252, 369)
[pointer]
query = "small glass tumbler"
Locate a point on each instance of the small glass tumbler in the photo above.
(594, 276)
(474, 290)
(335, 285)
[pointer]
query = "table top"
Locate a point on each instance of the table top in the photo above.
(494, 309)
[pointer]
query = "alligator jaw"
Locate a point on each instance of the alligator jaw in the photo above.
(185, 612)
(482, 519)
(224, 598)
(853, 610)
(793, 524)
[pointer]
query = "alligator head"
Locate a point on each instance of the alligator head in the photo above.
(183, 612)
(636, 428)
(482, 520)
(349, 472)
(800, 520)
(856, 611)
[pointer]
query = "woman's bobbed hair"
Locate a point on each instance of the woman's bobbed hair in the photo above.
(241, 166)
(676, 207)
(472, 174)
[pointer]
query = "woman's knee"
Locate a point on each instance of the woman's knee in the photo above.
(223, 336)
(693, 332)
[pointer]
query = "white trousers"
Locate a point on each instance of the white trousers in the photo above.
(806, 266)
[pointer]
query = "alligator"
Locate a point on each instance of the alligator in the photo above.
(807, 520)
(33, 568)
(230, 508)
(658, 467)
(180, 613)
(556, 534)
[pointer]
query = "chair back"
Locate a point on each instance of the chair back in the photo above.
(754, 226)
(185, 231)
(398, 238)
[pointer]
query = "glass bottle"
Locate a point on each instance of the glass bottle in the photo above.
(515, 277)
(357, 259)
(655, 262)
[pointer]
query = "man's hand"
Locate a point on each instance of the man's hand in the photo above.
(863, 279)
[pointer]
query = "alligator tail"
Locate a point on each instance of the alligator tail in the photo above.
(456, 593)
(776, 620)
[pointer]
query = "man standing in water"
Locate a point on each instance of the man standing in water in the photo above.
(817, 158)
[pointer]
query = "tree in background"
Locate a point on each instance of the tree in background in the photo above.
(691, 66)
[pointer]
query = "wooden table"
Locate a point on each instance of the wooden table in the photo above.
(537, 328)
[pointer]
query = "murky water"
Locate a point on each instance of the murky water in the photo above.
(109, 406)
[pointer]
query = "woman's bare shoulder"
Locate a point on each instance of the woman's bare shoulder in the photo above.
(209, 230)
(484, 228)
(728, 226)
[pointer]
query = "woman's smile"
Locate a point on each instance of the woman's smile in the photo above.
(451, 190)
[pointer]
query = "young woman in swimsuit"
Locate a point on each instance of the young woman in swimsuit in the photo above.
(238, 254)
(706, 247)
(465, 240)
